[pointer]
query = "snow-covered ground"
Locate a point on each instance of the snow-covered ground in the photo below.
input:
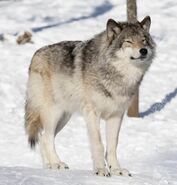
(148, 145)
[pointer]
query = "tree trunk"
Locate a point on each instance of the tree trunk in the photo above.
(131, 10)
(133, 110)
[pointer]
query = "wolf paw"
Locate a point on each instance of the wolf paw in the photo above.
(120, 172)
(102, 172)
(55, 166)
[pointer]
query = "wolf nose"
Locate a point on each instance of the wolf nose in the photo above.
(143, 51)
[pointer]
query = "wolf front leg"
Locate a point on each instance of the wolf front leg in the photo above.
(112, 134)
(97, 149)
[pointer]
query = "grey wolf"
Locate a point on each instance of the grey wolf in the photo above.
(97, 78)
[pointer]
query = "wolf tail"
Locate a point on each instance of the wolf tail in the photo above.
(32, 124)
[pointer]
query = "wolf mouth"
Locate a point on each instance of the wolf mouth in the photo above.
(141, 58)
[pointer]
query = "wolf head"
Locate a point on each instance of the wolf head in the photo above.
(131, 41)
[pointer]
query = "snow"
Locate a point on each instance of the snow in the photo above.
(29, 176)
(147, 146)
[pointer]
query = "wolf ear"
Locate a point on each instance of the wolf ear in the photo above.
(113, 28)
(146, 23)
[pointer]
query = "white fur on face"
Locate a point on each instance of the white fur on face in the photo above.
(133, 55)
(125, 53)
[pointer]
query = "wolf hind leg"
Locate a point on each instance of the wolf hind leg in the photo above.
(50, 118)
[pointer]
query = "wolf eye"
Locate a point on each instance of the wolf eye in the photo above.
(128, 41)
(144, 40)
